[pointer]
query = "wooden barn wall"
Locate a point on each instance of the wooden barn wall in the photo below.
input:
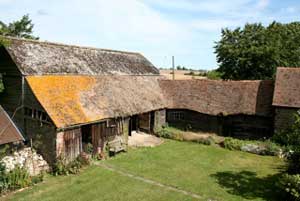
(194, 120)
(248, 126)
(10, 99)
(104, 132)
(242, 126)
(284, 118)
(43, 137)
(69, 144)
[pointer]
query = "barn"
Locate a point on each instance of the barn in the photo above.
(286, 97)
(64, 97)
(230, 108)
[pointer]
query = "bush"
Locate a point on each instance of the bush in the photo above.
(62, 167)
(294, 162)
(165, 133)
(291, 136)
(233, 144)
(205, 141)
(14, 179)
(214, 75)
(170, 133)
(291, 185)
(257, 147)
(271, 148)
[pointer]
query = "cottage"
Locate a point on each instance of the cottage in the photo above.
(286, 97)
(65, 97)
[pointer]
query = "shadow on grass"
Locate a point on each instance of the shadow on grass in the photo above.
(247, 185)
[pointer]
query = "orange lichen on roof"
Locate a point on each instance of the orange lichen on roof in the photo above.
(60, 96)
(72, 100)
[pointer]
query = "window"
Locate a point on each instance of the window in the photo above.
(36, 114)
(177, 116)
(110, 123)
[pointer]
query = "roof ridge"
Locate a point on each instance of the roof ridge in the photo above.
(44, 42)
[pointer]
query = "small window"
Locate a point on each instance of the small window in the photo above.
(36, 114)
(177, 116)
(111, 123)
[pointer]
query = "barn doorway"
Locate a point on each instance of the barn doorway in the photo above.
(87, 145)
(133, 124)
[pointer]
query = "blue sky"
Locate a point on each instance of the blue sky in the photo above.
(158, 29)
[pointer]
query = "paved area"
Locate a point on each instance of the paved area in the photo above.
(141, 139)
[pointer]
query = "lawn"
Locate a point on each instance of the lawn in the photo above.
(211, 172)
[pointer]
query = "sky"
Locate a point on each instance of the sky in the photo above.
(159, 29)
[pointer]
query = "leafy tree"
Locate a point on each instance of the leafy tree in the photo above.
(213, 75)
(254, 51)
(21, 28)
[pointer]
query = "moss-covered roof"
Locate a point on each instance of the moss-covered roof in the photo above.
(71, 100)
(44, 58)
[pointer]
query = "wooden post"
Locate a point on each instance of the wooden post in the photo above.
(173, 67)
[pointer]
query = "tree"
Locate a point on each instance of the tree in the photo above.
(254, 51)
(21, 28)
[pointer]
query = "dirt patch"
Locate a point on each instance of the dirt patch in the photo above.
(141, 139)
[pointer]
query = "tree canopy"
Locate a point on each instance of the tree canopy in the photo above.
(22, 28)
(254, 51)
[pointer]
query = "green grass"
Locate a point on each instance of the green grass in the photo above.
(212, 172)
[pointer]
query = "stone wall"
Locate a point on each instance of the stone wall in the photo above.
(28, 159)
(159, 119)
(284, 117)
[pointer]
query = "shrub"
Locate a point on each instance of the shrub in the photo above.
(291, 136)
(205, 141)
(170, 133)
(214, 75)
(271, 148)
(291, 185)
(233, 144)
(294, 162)
(62, 167)
(164, 133)
(257, 147)
(14, 179)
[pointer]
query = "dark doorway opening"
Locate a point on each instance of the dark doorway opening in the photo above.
(133, 124)
(152, 119)
(86, 132)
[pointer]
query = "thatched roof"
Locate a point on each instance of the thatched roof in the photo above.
(220, 97)
(287, 87)
(45, 58)
(72, 100)
(8, 131)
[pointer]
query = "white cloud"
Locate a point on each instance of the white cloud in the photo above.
(262, 4)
